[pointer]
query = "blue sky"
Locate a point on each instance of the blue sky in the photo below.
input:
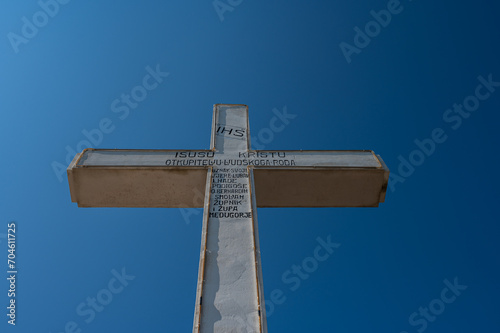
(425, 260)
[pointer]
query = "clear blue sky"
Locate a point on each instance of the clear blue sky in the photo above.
(348, 90)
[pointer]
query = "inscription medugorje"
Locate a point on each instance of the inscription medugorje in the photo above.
(229, 192)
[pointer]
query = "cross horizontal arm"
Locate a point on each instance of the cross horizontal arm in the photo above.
(258, 158)
(176, 178)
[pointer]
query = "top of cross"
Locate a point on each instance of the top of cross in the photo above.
(230, 130)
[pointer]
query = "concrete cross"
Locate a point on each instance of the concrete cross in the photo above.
(235, 180)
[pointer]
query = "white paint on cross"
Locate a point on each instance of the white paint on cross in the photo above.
(235, 180)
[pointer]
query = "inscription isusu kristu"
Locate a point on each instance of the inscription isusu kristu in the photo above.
(209, 158)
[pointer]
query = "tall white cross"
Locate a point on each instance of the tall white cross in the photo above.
(235, 180)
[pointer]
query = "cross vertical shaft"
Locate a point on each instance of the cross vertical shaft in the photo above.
(229, 293)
